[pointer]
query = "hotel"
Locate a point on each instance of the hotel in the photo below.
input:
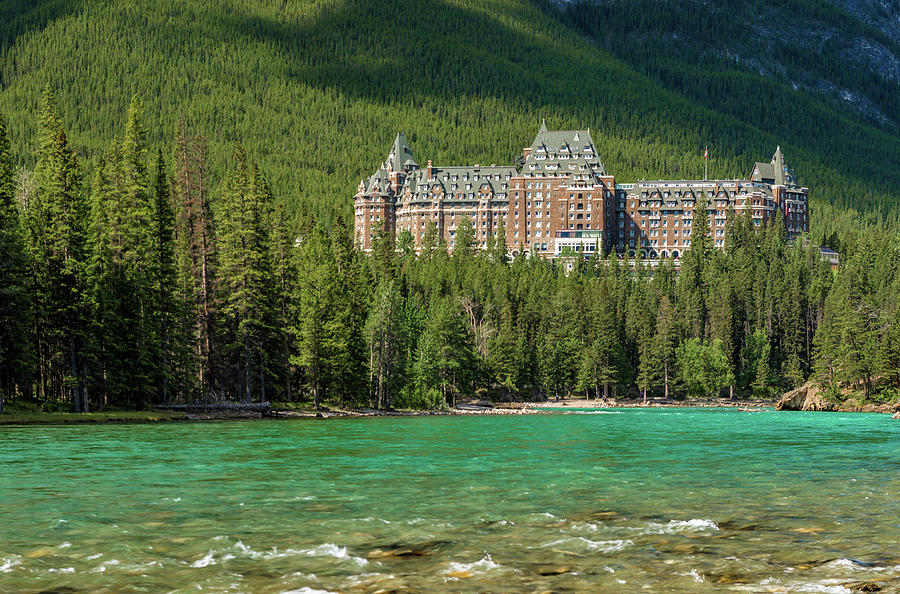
(561, 200)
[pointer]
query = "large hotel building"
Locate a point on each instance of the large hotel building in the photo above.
(562, 200)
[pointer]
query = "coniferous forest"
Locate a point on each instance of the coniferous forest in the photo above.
(145, 283)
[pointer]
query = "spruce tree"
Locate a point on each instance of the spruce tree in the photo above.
(15, 355)
(166, 281)
(55, 231)
(284, 277)
(384, 338)
(196, 246)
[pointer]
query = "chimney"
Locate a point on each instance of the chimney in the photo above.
(429, 169)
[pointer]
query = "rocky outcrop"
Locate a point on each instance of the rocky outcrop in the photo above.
(810, 397)
(806, 397)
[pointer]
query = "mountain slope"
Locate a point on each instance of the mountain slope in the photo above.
(317, 90)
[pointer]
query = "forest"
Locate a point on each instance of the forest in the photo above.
(317, 90)
(148, 277)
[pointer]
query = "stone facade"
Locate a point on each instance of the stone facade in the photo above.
(562, 201)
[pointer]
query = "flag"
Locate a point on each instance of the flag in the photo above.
(706, 153)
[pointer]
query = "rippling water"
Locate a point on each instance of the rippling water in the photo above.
(659, 500)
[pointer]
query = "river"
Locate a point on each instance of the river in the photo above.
(661, 500)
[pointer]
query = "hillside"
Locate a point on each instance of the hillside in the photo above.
(317, 90)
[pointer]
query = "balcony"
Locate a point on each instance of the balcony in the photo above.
(580, 234)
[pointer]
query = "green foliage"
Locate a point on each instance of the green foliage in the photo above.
(705, 369)
(15, 312)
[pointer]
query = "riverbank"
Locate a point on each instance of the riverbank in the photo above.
(58, 418)
(462, 409)
(654, 403)
(198, 414)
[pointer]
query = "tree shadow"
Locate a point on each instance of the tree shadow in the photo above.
(19, 17)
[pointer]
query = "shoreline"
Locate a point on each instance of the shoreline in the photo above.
(654, 403)
(483, 408)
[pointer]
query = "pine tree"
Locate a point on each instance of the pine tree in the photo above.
(166, 280)
(55, 235)
(383, 336)
(15, 356)
(444, 358)
(284, 274)
(244, 265)
(691, 287)
(197, 248)
(319, 328)
(352, 304)
(464, 244)
(666, 340)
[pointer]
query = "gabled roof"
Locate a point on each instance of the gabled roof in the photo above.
(452, 182)
(401, 157)
(380, 178)
(763, 172)
(554, 150)
(689, 190)
(774, 172)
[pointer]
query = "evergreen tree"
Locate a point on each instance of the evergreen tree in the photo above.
(691, 285)
(319, 328)
(444, 358)
(284, 274)
(196, 244)
(666, 340)
(55, 231)
(385, 347)
(15, 355)
(166, 282)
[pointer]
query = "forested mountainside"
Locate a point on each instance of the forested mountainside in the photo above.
(847, 51)
(317, 90)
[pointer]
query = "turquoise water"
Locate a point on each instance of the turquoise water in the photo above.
(614, 500)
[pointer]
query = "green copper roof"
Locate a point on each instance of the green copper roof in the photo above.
(459, 183)
(562, 152)
(775, 172)
(401, 157)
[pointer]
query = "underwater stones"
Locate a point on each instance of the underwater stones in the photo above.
(565, 552)
(603, 514)
(548, 570)
(401, 551)
(37, 553)
(729, 578)
(864, 587)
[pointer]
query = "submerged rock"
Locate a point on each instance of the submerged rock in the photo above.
(864, 587)
(400, 551)
(554, 569)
